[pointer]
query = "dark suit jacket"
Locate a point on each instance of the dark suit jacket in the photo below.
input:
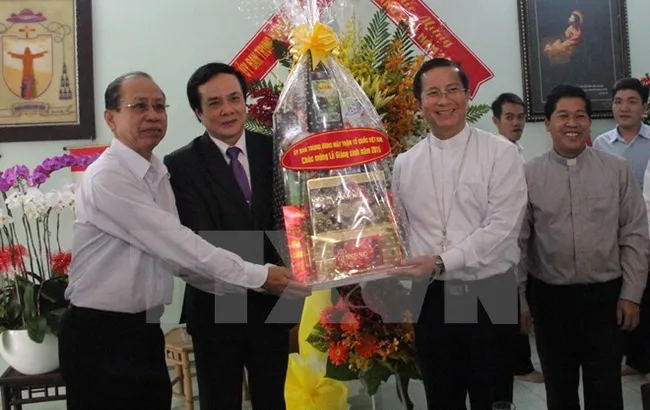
(209, 199)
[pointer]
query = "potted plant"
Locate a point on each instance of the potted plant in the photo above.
(33, 265)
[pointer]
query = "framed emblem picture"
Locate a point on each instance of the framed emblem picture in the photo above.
(46, 92)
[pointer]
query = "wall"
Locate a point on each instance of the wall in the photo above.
(170, 38)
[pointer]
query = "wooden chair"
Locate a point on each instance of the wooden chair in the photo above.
(645, 396)
(178, 347)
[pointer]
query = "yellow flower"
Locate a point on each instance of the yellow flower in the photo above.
(307, 388)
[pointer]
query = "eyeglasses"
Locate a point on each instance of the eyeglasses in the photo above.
(143, 107)
(449, 92)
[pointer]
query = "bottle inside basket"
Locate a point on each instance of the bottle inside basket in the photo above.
(323, 100)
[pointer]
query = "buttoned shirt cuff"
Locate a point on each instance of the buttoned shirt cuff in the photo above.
(454, 259)
(257, 275)
(632, 293)
(260, 289)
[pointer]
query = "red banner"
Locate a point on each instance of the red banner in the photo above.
(337, 149)
(435, 39)
(257, 58)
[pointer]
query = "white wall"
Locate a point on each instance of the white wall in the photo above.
(170, 38)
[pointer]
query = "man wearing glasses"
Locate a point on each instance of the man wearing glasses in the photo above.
(463, 192)
(128, 244)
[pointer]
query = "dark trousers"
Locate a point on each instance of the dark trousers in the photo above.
(458, 356)
(113, 361)
(221, 352)
(523, 362)
(576, 326)
(637, 343)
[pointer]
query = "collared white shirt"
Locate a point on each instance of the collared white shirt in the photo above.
(520, 148)
(243, 155)
(128, 242)
(485, 210)
(636, 152)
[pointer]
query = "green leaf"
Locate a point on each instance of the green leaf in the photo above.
(54, 319)
(256, 126)
(52, 294)
(376, 42)
(317, 339)
(281, 52)
(29, 301)
(37, 328)
(14, 311)
(339, 372)
(373, 378)
(37, 279)
(406, 49)
(476, 111)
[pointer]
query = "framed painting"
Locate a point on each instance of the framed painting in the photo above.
(46, 89)
(578, 42)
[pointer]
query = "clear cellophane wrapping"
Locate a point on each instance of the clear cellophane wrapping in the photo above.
(339, 216)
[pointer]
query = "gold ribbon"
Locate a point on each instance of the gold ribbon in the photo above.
(321, 41)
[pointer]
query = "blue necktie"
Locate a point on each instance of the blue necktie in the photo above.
(240, 173)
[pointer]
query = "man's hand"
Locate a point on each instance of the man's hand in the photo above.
(418, 268)
(281, 282)
(627, 314)
(525, 322)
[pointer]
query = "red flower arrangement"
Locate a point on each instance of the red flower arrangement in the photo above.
(60, 262)
(368, 335)
(11, 258)
(263, 98)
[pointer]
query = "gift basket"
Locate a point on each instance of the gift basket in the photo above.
(338, 214)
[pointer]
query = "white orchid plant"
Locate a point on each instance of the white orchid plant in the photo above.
(33, 265)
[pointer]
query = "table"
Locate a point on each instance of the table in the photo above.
(38, 388)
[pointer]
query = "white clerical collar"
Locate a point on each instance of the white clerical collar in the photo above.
(456, 141)
(570, 161)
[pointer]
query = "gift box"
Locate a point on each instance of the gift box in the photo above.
(340, 222)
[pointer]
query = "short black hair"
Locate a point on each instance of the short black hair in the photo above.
(632, 84)
(113, 92)
(497, 105)
(203, 74)
(436, 63)
(564, 91)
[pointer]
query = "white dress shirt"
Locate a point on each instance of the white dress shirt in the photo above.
(520, 148)
(243, 155)
(485, 209)
(128, 242)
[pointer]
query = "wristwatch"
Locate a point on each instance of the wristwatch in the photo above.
(440, 266)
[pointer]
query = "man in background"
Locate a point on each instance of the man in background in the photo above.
(510, 119)
(630, 139)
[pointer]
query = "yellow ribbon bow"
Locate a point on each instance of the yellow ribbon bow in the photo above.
(321, 41)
